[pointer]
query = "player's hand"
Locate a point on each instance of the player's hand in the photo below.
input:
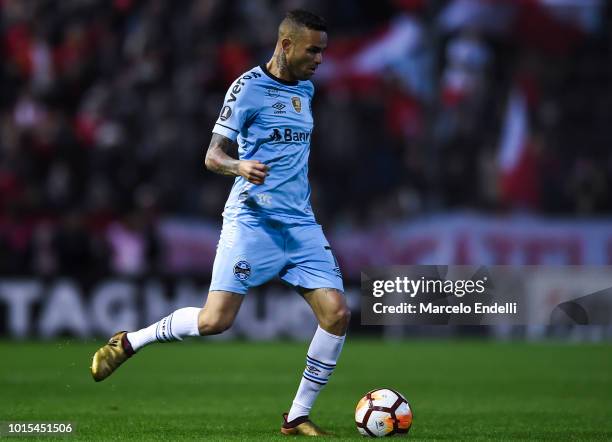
(253, 171)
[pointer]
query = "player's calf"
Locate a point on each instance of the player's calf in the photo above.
(213, 325)
(219, 312)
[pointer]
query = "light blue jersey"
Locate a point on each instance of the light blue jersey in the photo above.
(269, 229)
(271, 120)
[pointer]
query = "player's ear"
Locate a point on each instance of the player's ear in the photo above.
(286, 44)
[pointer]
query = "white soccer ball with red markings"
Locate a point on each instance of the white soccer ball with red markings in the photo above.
(383, 412)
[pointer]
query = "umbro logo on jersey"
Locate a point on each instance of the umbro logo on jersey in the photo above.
(279, 107)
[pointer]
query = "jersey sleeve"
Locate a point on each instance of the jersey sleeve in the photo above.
(239, 107)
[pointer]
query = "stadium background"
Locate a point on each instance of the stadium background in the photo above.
(447, 132)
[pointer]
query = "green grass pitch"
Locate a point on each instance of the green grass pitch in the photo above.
(469, 390)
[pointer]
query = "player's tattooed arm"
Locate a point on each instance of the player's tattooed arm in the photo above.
(219, 160)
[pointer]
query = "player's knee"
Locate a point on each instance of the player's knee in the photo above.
(208, 325)
(337, 320)
(344, 317)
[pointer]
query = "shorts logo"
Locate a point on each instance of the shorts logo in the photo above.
(226, 112)
(243, 196)
(297, 104)
(242, 270)
(336, 268)
(264, 199)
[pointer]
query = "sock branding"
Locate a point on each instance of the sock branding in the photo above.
(317, 371)
(163, 331)
(321, 360)
(178, 325)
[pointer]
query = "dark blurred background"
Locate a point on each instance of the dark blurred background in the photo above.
(446, 132)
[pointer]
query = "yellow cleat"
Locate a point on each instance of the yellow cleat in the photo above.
(108, 358)
(301, 426)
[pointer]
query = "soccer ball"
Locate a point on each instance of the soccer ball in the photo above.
(383, 412)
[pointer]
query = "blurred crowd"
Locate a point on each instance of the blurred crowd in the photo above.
(106, 108)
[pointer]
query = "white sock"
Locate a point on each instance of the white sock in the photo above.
(174, 327)
(321, 360)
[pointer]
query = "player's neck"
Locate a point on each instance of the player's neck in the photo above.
(277, 66)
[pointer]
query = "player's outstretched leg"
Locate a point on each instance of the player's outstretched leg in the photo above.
(333, 315)
(217, 316)
(123, 345)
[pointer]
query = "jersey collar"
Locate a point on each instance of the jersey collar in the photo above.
(275, 78)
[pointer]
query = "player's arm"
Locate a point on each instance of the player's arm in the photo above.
(219, 160)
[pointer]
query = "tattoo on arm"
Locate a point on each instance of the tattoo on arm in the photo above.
(218, 157)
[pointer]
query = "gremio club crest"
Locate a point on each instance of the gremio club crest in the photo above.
(297, 104)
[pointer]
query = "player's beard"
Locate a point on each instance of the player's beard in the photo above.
(291, 71)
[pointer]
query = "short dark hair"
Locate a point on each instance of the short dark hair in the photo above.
(307, 19)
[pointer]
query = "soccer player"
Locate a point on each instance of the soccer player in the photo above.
(268, 225)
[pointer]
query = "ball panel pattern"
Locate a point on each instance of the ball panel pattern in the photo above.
(383, 412)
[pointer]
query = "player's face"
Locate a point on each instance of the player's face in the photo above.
(306, 53)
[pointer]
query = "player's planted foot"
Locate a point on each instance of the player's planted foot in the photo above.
(108, 358)
(300, 426)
